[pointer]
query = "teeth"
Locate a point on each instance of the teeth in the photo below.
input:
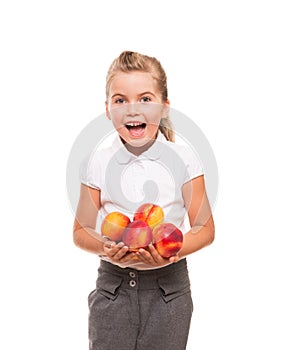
(134, 124)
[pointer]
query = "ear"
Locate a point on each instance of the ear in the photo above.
(107, 111)
(165, 109)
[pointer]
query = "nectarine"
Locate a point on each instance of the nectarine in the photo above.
(152, 214)
(114, 225)
(167, 239)
(137, 235)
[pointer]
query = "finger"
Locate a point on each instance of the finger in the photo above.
(144, 255)
(122, 252)
(109, 244)
(112, 249)
(128, 257)
(174, 259)
(154, 253)
(119, 251)
(116, 248)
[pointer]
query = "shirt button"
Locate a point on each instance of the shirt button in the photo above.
(132, 283)
(132, 274)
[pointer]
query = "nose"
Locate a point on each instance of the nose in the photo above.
(133, 109)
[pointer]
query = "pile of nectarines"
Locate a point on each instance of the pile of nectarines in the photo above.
(147, 227)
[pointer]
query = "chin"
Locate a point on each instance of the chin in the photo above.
(138, 146)
(138, 142)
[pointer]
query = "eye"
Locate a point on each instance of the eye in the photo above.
(119, 100)
(145, 99)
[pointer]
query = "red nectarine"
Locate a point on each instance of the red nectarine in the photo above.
(167, 239)
(137, 235)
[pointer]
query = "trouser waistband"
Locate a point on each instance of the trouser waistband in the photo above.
(146, 279)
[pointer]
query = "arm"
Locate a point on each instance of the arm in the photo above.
(201, 221)
(84, 234)
(202, 231)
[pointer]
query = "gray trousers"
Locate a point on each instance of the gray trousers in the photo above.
(140, 310)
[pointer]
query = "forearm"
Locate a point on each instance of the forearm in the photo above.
(88, 239)
(197, 238)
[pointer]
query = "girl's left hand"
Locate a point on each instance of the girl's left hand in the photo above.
(152, 257)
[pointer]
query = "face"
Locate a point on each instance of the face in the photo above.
(135, 107)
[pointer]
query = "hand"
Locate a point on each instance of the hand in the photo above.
(152, 257)
(117, 253)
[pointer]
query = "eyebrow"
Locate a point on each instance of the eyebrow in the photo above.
(141, 94)
(117, 94)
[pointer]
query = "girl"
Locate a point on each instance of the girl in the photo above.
(142, 300)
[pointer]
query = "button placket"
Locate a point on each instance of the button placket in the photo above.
(139, 175)
(132, 282)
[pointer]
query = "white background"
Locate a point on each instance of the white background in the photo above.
(225, 66)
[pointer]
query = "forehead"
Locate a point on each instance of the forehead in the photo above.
(134, 82)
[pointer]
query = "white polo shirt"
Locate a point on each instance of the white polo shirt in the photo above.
(156, 176)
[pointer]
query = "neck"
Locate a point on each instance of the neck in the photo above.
(138, 150)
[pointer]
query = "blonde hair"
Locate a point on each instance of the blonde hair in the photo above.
(130, 61)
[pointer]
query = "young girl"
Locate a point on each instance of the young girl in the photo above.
(142, 300)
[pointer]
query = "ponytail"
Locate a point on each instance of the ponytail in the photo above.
(166, 127)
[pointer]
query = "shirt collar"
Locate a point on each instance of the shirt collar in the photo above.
(153, 153)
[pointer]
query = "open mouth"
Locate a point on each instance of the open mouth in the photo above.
(136, 129)
(136, 125)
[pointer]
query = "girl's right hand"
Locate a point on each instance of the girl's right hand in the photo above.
(118, 253)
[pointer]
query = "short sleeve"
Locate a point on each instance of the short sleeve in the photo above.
(193, 165)
(90, 171)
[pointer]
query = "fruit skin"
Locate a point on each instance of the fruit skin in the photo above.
(114, 225)
(152, 214)
(167, 239)
(137, 235)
